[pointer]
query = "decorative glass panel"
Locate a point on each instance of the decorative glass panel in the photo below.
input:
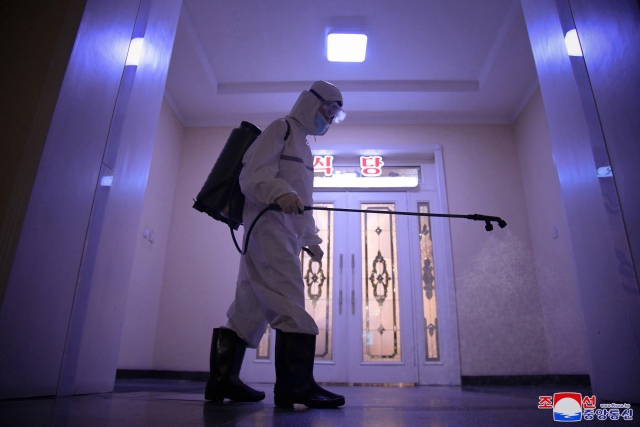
(318, 282)
(262, 352)
(352, 177)
(389, 171)
(380, 301)
(432, 349)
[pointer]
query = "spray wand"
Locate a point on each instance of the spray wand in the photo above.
(273, 207)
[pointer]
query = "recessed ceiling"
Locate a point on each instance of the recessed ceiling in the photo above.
(428, 61)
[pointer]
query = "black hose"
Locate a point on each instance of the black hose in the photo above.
(246, 238)
(475, 217)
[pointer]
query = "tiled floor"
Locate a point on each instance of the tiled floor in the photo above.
(180, 403)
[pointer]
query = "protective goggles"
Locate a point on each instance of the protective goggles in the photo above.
(332, 109)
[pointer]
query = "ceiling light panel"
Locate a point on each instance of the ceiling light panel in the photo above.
(346, 47)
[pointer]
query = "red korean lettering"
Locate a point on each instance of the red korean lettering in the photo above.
(545, 402)
(589, 402)
(371, 165)
(323, 164)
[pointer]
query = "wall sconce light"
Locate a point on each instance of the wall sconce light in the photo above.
(605, 172)
(135, 48)
(573, 43)
(106, 181)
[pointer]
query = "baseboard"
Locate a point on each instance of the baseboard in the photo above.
(136, 374)
(500, 380)
(528, 380)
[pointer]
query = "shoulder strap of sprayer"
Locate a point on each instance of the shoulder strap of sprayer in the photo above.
(271, 207)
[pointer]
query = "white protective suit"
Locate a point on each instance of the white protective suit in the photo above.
(270, 288)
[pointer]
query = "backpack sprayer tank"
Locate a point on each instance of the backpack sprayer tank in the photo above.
(220, 196)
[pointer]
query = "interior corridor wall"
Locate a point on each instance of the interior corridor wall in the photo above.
(62, 314)
(42, 36)
(143, 299)
(92, 349)
(608, 309)
(201, 263)
(66, 150)
(499, 313)
(563, 323)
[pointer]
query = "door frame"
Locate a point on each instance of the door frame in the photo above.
(432, 189)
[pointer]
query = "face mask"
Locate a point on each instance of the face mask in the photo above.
(321, 123)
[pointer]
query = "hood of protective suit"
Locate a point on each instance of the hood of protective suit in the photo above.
(306, 107)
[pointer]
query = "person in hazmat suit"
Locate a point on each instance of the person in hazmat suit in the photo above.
(277, 168)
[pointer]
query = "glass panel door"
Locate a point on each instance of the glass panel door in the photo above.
(359, 295)
(380, 302)
(381, 348)
(435, 323)
(318, 282)
(325, 289)
(429, 302)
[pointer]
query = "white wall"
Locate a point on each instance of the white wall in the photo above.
(40, 293)
(101, 326)
(609, 38)
(143, 300)
(42, 39)
(499, 311)
(609, 325)
(201, 263)
(63, 312)
(566, 347)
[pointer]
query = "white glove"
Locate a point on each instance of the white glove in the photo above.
(290, 204)
(317, 252)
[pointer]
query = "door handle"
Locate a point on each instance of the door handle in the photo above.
(353, 284)
(340, 293)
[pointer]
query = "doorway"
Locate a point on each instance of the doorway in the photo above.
(368, 295)
(373, 296)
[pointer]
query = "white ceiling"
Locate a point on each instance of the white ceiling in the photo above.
(428, 61)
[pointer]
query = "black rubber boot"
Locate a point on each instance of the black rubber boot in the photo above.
(225, 361)
(294, 373)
